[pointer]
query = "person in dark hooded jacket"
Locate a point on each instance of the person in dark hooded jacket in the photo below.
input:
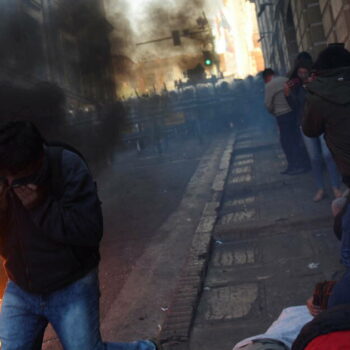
(328, 105)
(328, 112)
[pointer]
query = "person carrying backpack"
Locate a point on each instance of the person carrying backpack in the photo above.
(328, 112)
(328, 105)
(51, 226)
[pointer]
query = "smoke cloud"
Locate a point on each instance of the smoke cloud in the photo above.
(141, 21)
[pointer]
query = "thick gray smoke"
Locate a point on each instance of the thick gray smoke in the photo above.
(132, 22)
(154, 19)
(161, 17)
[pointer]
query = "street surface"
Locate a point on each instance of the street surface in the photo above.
(273, 244)
(138, 195)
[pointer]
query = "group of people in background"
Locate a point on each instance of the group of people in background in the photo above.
(286, 98)
(312, 109)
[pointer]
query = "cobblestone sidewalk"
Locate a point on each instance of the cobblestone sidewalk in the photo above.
(272, 244)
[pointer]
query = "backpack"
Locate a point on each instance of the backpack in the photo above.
(322, 292)
(55, 150)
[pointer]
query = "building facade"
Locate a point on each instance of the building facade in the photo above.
(277, 33)
(336, 20)
(291, 26)
(236, 32)
(61, 41)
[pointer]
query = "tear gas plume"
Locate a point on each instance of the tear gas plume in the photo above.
(140, 21)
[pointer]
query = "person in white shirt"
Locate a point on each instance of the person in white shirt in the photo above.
(290, 138)
(281, 334)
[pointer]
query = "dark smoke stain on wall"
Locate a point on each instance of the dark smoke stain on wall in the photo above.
(84, 20)
(21, 42)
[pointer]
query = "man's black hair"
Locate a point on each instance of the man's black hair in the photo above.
(21, 144)
(333, 57)
(267, 73)
(22, 107)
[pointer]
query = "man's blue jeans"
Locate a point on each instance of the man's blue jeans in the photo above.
(73, 312)
(345, 239)
(341, 292)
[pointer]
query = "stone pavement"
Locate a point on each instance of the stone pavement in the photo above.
(272, 244)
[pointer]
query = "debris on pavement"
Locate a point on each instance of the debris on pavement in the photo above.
(313, 266)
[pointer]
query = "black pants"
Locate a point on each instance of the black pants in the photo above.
(290, 139)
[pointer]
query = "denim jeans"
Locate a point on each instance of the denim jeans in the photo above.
(73, 312)
(291, 141)
(320, 154)
(345, 239)
(341, 291)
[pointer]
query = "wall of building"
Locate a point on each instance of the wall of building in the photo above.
(309, 26)
(336, 20)
(241, 32)
(277, 36)
(291, 26)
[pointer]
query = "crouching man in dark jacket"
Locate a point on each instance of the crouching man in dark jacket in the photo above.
(51, 227)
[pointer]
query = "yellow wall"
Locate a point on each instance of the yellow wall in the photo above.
(247, 54)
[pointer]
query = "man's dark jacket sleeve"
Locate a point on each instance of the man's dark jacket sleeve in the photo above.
(75, 219)
(313, 120)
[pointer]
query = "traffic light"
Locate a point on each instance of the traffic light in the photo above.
(176, 37)
(208, 62)
(208, 58)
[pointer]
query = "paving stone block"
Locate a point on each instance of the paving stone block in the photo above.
(211, 209)
(231, 302)
(239, 216)
(233, 257)
(206, 224)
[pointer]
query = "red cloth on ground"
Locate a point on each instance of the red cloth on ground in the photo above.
(331, 341)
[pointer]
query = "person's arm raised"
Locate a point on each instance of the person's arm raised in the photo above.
(76, 218)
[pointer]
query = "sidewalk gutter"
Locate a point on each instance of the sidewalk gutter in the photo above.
(178, 324)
